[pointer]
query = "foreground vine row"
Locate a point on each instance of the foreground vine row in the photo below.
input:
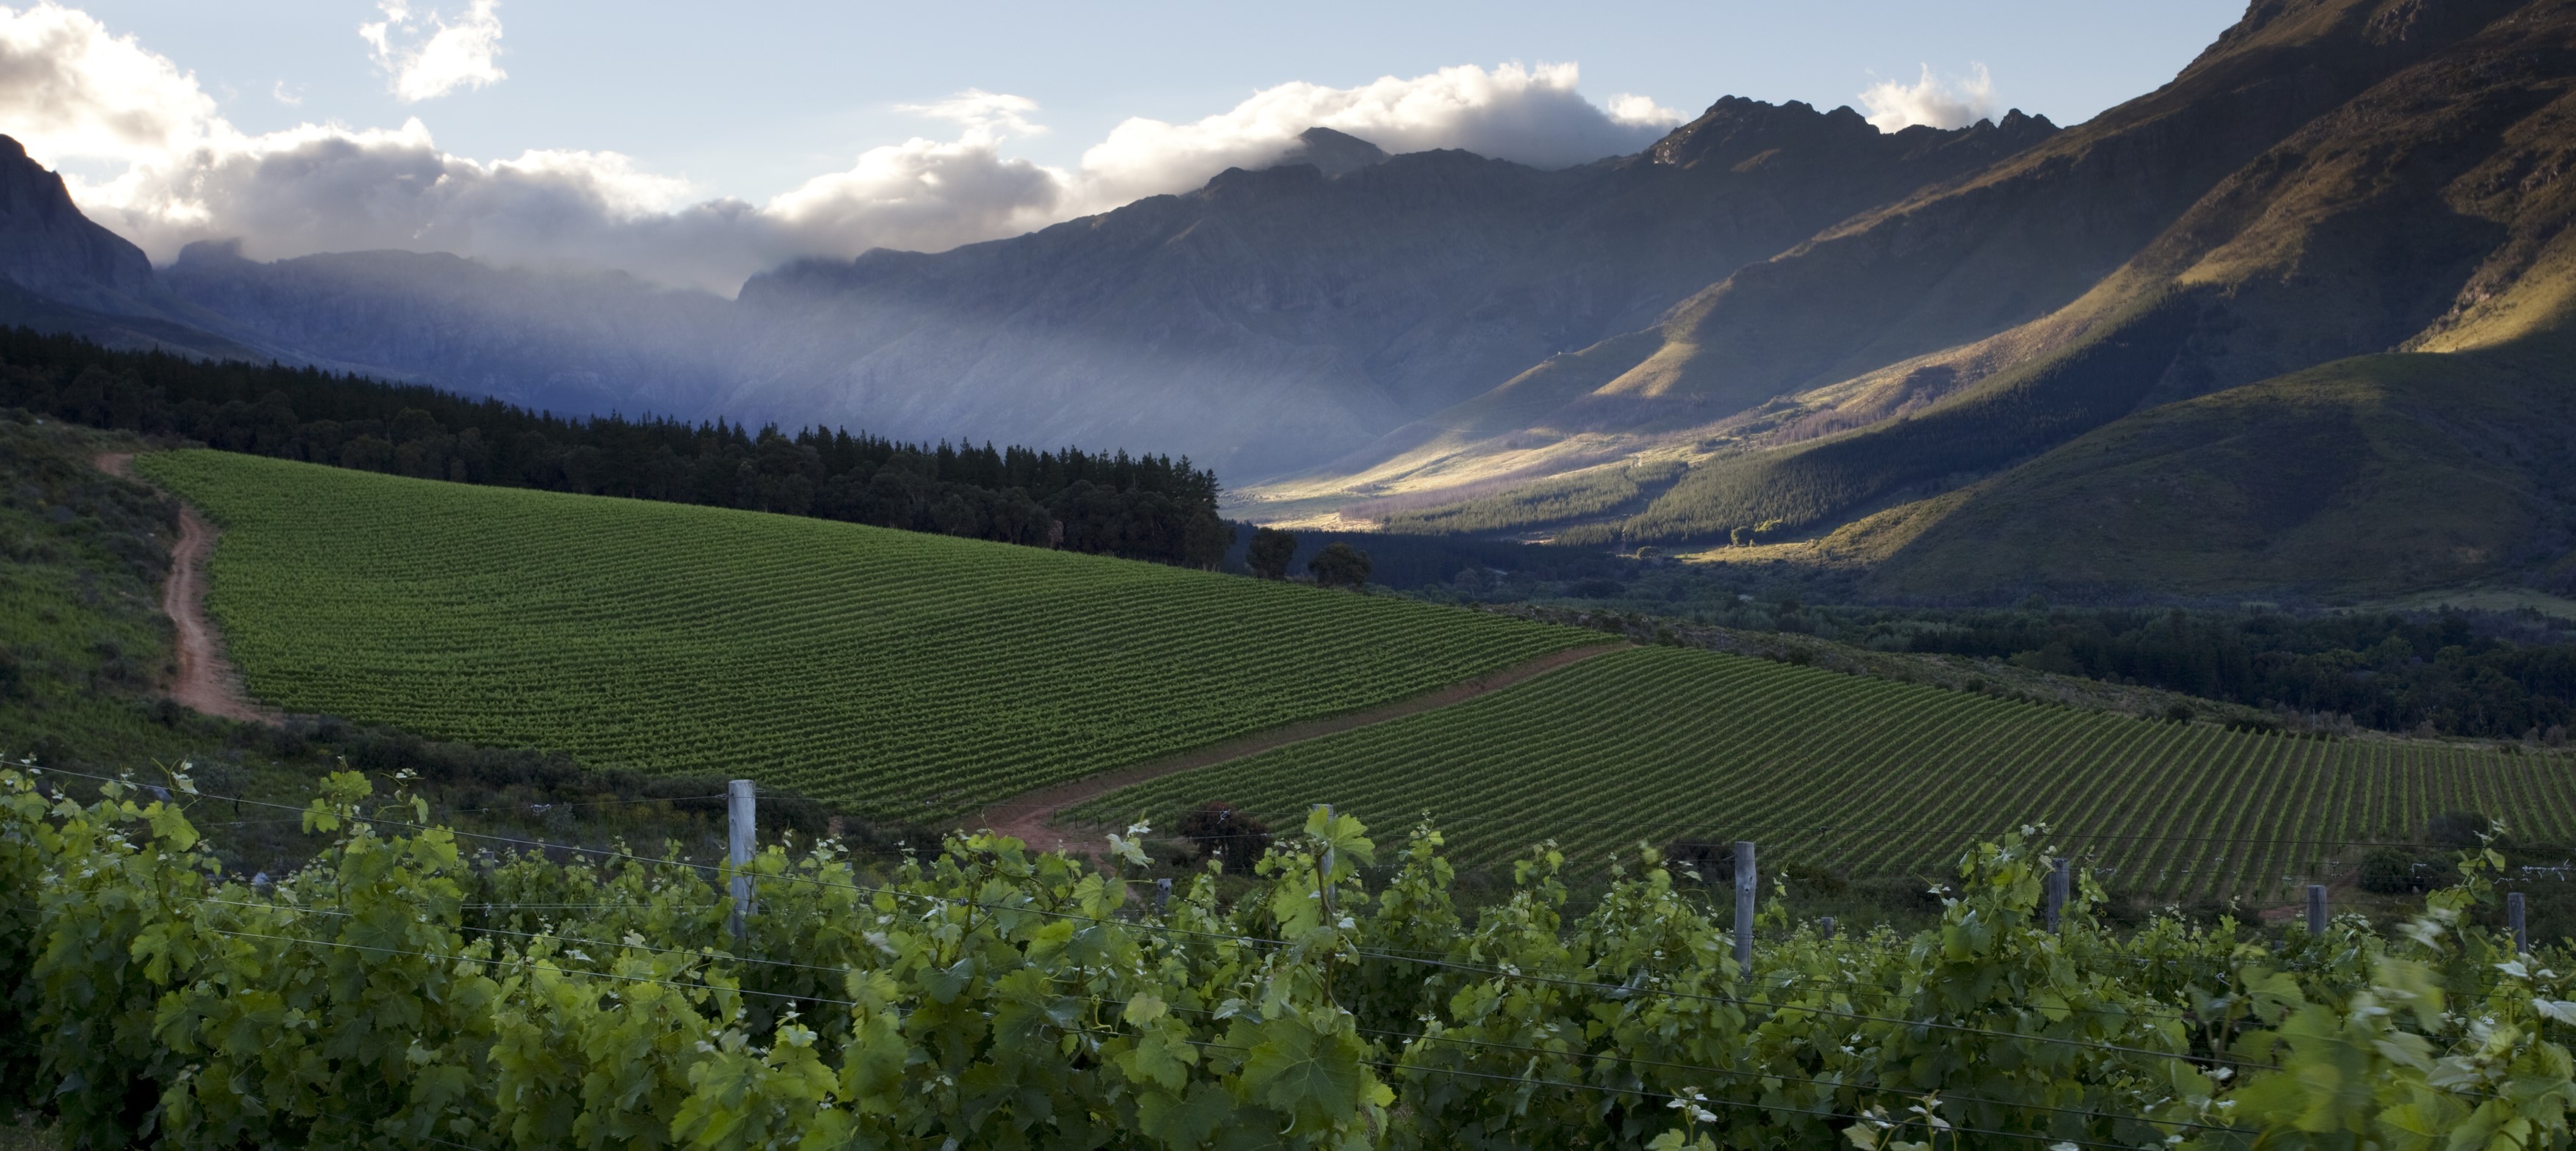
(408, 990)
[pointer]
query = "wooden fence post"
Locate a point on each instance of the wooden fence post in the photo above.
(2316, 909)
(2513, 918)
(740, 823)
(1829, 927)
(1162, 894)
(1745, 888)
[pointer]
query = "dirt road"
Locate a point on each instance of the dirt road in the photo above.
(1024, 817)
(206, 681)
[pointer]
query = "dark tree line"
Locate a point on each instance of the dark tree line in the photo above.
(2458, 674)
(1141, 507)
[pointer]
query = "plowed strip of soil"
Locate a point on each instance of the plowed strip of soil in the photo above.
(1024, 817)
(206, 681)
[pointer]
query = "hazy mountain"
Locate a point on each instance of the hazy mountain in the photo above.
(569, 341)
(2333, 178)
(1277, 318)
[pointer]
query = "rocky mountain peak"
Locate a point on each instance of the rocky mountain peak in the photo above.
(1335, 153)
(47, 246)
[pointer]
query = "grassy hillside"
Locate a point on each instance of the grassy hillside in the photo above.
(891, 671)
(82, 556)
(1665, 745)
(2368, 476)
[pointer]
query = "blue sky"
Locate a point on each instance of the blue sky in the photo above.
(694, 142)
(750, 99)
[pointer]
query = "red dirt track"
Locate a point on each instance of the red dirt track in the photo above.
(206, 681)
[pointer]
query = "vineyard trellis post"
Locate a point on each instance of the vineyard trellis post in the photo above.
(1828, 922)
(2061, 875)
(741, 821)
(1744, 892)
(1324, 878)
(2513, 918)
(2316, 909)
(1162, 894)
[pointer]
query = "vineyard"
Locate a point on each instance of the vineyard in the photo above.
(413, 987)
(1669, 745)
(892, 672)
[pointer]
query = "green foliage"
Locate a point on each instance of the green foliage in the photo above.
(1684, 746)
(2388, 871)
(988, 997)
(1270, 552)
(1340, 565)
(900, 673)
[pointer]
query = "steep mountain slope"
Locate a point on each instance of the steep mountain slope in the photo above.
(1268, 320)
(1860, 303)
(571, 341)
(1276, 318)
(59, 272)
(2355, 234)
(2367, 476)
(2418, 203)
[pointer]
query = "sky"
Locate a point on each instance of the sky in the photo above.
(694, 144)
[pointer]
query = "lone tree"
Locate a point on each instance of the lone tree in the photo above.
(1340, 564)
(1271, 550)
(1218, 829)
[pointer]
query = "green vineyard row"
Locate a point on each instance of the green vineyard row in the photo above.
(888, 671)
(1667, 745)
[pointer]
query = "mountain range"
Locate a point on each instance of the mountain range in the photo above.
(2297, 320)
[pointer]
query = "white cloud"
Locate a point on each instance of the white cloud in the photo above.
(73, 91)
(1631, 109)
(283, 95)
(1533, 115)
(984, 114)
(1951, 102)
(69, 88)
(457, 55)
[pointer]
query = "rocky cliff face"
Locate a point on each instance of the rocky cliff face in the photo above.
(48, 247)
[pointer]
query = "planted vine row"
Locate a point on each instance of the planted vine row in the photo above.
(1665, 745)
(905, 674)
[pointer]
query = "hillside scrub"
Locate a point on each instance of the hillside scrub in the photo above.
(407, 987)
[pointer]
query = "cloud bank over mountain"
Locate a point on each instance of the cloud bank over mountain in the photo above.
(1934, 102)
(73, 90)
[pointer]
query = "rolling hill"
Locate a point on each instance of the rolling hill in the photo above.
(898, 673)
(913, 676)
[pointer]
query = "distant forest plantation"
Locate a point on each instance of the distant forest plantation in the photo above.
(1141, 507)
